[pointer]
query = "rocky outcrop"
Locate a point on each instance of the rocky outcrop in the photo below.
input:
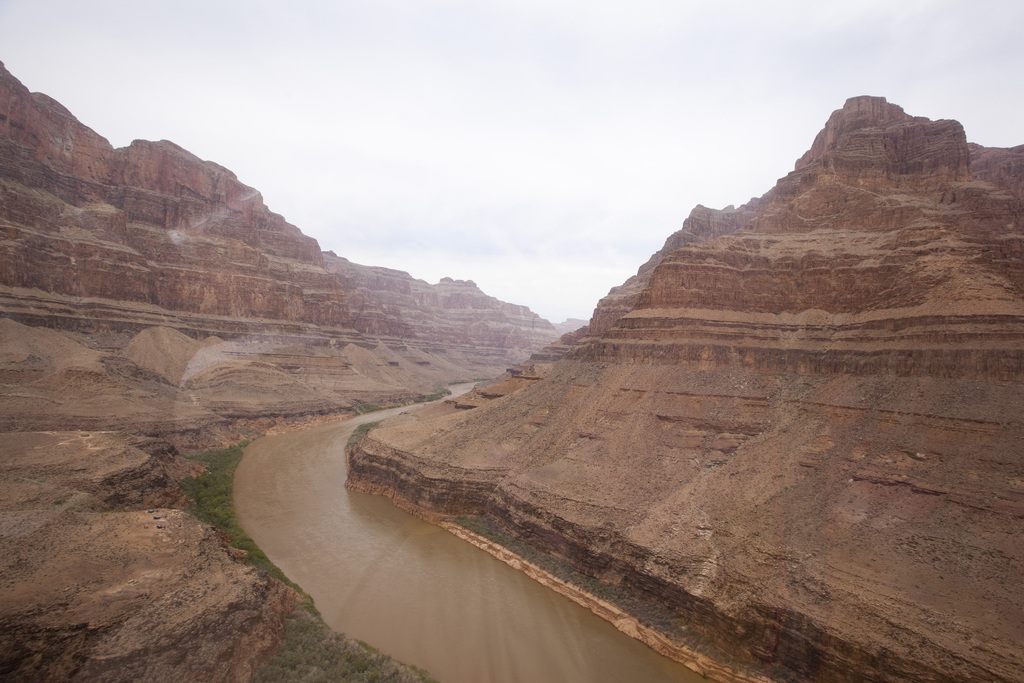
(804, 437)
(1003, 167)
(702, 224)
(98, 588)
(570, 325)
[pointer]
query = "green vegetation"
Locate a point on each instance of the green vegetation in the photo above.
(440, 391)
(311, 651)
(358, 434)
(214, 505)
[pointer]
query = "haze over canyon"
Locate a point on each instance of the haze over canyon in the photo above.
(792, 446)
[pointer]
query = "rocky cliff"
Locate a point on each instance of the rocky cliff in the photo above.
(151, 301)
(451, 314)
(702, 224)
(804, 438)
(148, 251)
(102, 581)
(102, 238)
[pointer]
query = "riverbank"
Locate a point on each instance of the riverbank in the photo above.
(622, 621)
(309, 649)
(412, 589)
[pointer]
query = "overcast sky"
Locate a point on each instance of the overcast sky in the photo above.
(542, 148)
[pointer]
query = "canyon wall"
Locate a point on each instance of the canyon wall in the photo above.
(451, 314)
(805, 436)
(147, 251)
(149, 302)
(702, 224)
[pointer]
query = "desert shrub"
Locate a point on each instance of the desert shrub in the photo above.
(211, 493)
(311, 651)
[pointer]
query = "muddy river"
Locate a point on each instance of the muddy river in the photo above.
(413, 590)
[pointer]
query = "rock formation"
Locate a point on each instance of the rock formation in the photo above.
(805, 436)
(150, 301)
(453, 314)
(702, 224)
(120, 248)
(570, 325)
(100, 586)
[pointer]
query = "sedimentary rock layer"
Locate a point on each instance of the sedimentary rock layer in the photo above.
(805, 436)
(149, 250)
(144, 291)
(451, 314)
(702, 224)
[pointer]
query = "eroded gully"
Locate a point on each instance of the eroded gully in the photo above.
(412, 589)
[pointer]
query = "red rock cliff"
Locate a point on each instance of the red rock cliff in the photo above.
(149, 229)
(805, 437)
(452, 313)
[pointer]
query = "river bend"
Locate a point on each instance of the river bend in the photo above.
(413, 590)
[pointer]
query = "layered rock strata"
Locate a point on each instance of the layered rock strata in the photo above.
(149, 299)
(452, 314)
(702, 224)
(804, 438)
(149, 250)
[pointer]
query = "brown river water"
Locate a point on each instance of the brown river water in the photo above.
(412, 589)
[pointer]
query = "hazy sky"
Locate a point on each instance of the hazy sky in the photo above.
(543, 148)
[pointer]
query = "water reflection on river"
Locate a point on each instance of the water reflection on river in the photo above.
(412, 589)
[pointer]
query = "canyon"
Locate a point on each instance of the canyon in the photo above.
(151, 305)
(799, 428)
(791, 447)
(191, 299)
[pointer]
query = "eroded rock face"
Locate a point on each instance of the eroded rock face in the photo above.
(452, 313)
(804, 437)
(94, 589)
(212, 316)
(147, 230)
(702, 224)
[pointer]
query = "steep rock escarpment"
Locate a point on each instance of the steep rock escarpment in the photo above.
(702, 224)
(102, 238)
(452, 314)
(148, 252)
(805, 437)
